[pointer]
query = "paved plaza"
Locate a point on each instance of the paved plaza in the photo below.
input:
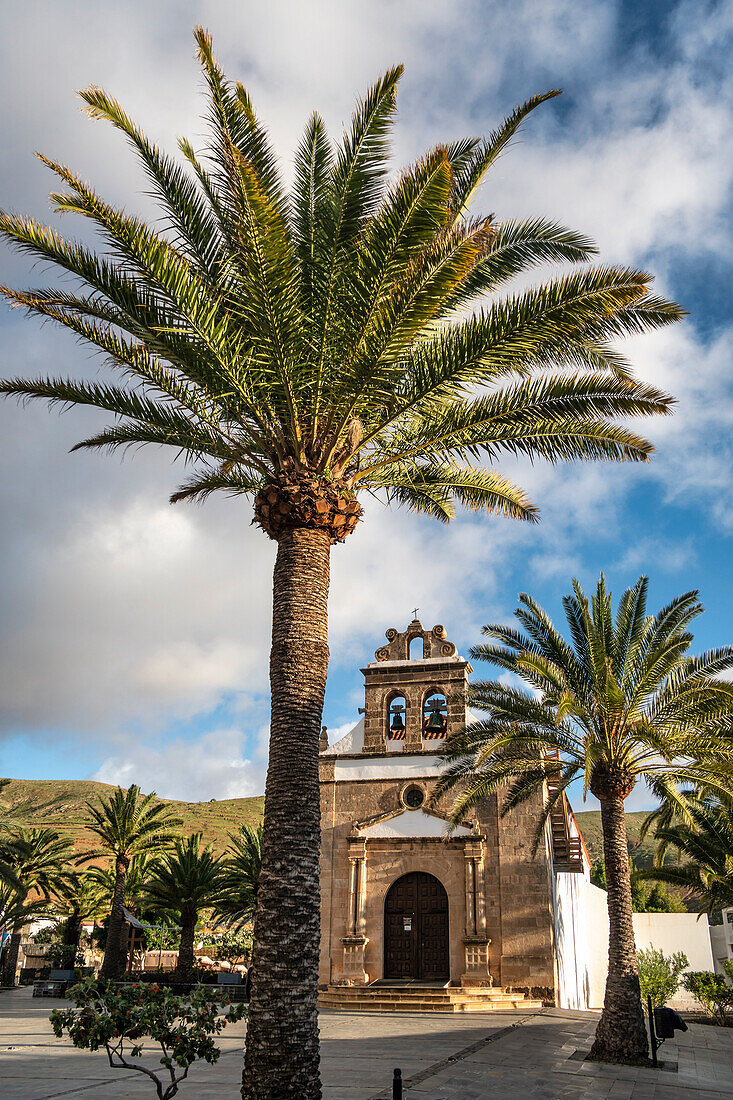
(510, 1056)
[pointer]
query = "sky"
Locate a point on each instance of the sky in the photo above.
(133, 634)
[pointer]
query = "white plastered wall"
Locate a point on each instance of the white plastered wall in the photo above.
(581, 936)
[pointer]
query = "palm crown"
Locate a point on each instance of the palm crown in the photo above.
(102, 883)
(705, 840)
(129, 825)
(185, 880)
(240, 876)
(621, 701)
(36, 858)
(309, 345)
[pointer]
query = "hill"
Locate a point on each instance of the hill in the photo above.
(60, 804)
(590, 826)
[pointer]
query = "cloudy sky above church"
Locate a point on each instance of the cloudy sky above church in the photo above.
(134, 635)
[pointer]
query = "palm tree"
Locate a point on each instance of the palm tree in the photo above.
(127, 825)
(185, 881)
(706, 840)
(620, 701)
(307, 349)
(103, 881)
(77, 897)
(37, 860)
(240, 877)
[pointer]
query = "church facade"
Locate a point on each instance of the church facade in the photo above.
(404, 900)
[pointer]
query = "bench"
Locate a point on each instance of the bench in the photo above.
(225, 978)
(55, 985)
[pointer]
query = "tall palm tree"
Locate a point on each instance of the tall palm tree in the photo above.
(307, 349)
(37, 859)
(705, 839)
(127, 824)
(240, 877)
(185, 881)
(620, 701)
(103, 880)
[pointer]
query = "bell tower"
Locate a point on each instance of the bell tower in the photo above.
(414, 701)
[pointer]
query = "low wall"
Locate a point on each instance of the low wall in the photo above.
(581, 937)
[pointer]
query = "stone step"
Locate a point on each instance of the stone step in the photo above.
(425, 999)
(421, 992)
(371, 1005)
(428, 997)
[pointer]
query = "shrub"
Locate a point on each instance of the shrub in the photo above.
(64, 956)
(712, 991)
(659, 974)
(118, 1017)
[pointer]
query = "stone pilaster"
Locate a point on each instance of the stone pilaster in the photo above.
(355, 941)
(475, 941)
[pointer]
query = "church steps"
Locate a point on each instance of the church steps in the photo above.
(380, 999)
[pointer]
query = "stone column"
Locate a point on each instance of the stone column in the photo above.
(361, 885)
(355, 940)
(353, 879)
(476, 941)
(470, 891)
(413, 718)
(480, 893)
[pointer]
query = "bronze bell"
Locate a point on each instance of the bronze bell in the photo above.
(436, 722)
(397, 724)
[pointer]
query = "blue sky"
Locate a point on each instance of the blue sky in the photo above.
(134, 636)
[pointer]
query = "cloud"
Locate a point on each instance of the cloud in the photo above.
(125, 619)
(214, 765)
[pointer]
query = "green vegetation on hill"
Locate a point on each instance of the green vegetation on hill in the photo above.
(60, 804)
(589, 822)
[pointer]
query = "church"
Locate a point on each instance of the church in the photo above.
(406, 905)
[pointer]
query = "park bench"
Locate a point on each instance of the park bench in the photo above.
(55, 985)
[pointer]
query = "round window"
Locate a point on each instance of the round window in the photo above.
(414, 797)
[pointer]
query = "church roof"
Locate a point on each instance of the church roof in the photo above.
(353, 741)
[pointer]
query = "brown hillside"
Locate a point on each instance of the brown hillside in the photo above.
(590, 826)
(60, 804)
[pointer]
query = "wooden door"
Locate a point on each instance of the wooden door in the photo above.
(416, 929)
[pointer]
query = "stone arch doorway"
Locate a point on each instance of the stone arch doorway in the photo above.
(416, 929)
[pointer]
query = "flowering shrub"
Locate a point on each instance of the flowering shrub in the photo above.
(117, 1017)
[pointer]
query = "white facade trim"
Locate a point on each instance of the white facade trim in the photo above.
(412, 823)
(414, 766)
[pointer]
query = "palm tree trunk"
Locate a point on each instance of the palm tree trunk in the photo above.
(621, 1033)
(281, 1055)
(113, 965)
(10, 960)
(72, 929)
(184, 967)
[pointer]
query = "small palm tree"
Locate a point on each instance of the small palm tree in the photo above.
(705, 839)
(620, 701)
(127, 825)
(185, 881)
(240, 877)
(77, 898)
(312, 348)
(37, 860)
(103, 879)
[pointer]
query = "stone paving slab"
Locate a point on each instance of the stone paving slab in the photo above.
(510, 1056)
